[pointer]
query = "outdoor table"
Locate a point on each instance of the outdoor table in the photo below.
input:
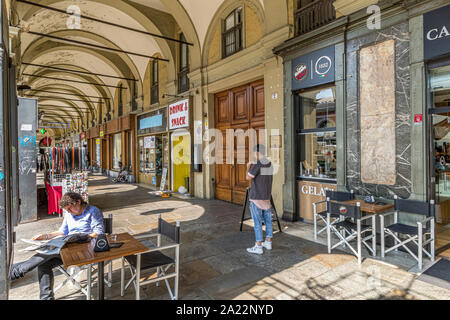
(80, 254)
(369, 207)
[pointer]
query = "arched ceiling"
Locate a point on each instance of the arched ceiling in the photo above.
(159, 17)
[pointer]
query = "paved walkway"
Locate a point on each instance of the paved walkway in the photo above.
(214, 262)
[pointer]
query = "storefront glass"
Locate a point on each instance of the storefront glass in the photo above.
(317, 134)
(439, 94)
(117, 150)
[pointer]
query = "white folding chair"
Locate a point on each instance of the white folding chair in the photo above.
(347, 230)
(155, 258)
(415, 234)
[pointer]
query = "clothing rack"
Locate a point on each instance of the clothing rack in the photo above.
(64, 160)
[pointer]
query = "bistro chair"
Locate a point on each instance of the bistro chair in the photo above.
(416, 234)
(155, 258)
(322, 215)
(86, 290)
(347, 230)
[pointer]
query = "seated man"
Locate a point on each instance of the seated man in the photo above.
(82, 218)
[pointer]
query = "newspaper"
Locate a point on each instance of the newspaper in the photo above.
(54, 246)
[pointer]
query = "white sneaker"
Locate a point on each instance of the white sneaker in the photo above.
(255, 249)
(267, 245)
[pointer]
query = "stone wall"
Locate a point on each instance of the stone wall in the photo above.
(402, 139)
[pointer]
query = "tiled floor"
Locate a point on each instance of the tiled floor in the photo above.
(215, 264)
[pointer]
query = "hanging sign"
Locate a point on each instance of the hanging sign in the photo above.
(179, 114)
(83, 135)
(97, 141)
(436, 33)
(102, 133)
(313, 69)
(418, 119)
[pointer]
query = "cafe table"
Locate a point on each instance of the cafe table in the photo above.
(80, 254)
(373, 208)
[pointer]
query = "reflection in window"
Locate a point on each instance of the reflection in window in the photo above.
(317, 134)
(318, 155)
(232, 33)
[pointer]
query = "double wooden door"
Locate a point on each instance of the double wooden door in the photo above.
(240, 109)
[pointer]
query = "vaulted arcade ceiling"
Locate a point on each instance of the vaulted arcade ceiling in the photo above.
(52, 38)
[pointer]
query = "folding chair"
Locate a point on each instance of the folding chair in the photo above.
(347, 230)
(154, 258)
(415, 234)
(107, 227)
(322, 215)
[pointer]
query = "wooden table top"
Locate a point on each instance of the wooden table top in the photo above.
(79, 254)
(369, 207)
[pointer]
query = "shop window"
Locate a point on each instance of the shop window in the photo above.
(117, 151)
(232, 33)
(317, 134)
(183, 80)
(154, 91)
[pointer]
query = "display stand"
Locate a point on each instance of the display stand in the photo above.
(246, 214)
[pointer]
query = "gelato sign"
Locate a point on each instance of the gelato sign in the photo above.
(436, 33)
(313, 69)
(179, 114)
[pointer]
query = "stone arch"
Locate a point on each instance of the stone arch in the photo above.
(130, 9)
(222, 12)
(186, 25)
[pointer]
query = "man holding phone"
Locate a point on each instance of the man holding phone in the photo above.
(261, 176)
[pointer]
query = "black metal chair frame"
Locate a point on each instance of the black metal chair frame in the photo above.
(412, 235)
(274, 212)
(333, 195)
(170, 231)
(349, 232)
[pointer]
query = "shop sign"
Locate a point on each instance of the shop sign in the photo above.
(309, 193)
(418, 119)
(151, 122)
(102, 134)
(83, 136)
(179, 114)
(436, 33)
(313, 69)
(149, 142)
(97, 141)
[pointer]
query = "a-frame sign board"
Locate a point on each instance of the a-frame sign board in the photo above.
(246, 215)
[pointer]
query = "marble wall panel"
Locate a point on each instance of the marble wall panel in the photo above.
(400, 134)
(377, 113)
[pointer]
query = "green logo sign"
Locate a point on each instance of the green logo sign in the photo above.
(43, 131)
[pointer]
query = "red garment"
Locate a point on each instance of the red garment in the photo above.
(54, 195)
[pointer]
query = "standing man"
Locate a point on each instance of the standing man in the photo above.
(82, 218)
(261, 175)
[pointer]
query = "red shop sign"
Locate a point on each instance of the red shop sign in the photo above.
(179, 114)
(418, 119)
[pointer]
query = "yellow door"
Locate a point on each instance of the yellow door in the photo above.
(180, 161)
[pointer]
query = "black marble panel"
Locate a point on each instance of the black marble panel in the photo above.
(403, 185)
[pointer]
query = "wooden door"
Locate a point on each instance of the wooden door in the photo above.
(239, 109)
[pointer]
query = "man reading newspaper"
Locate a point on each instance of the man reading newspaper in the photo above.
(81, 219)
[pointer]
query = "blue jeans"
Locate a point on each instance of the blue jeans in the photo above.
(258, 216)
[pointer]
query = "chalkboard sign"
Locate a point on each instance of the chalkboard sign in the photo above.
(247, 215)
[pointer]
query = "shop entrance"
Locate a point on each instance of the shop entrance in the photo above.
(181, 155)
(241, 108)
(439, 88)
